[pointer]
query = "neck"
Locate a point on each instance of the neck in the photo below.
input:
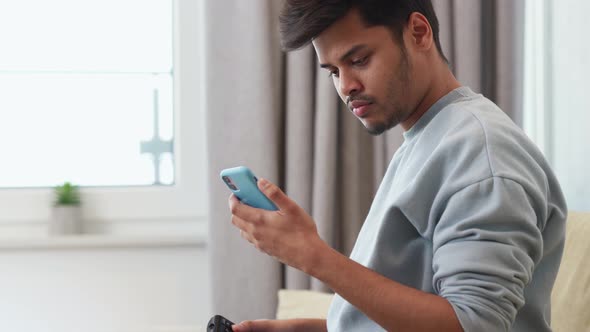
(441, 84)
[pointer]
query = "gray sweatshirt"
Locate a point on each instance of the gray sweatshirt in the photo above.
(468, 210)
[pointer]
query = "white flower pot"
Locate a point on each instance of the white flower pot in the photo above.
(65, 220)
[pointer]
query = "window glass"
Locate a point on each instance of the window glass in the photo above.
(87, 92)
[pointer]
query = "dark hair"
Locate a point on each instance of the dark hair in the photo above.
(303, 20)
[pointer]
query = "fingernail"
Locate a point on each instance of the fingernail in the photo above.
(263, 183)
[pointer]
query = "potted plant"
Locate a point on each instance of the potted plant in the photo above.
(66, 216)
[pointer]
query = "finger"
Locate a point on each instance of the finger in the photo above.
(245, 212)
(232, 200)
(275, 194)
(246, 237)
(247, 230)
(241, 224)
(262, 325)
(245, 326)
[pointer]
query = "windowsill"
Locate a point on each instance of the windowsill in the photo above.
(143, 233)
(87, 241)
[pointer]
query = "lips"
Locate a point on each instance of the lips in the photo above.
(360, 107)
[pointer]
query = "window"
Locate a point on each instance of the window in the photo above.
(557, 65)
(82, 88)
(104, 94)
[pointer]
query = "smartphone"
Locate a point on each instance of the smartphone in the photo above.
(242, 182)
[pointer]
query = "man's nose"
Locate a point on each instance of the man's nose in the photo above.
(349, 84)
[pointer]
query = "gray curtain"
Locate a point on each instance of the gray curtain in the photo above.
(244, 127)
(484, 41)
(279, 114)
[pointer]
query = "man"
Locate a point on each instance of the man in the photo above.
(466, 231)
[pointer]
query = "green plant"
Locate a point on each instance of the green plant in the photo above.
(67, 194)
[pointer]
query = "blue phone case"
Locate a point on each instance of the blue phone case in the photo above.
(242, 182)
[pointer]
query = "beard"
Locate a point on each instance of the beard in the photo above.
(397, 86)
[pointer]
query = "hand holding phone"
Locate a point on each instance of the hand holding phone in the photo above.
(293, 228)
(243, 183)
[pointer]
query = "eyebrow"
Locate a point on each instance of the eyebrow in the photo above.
(346, 55)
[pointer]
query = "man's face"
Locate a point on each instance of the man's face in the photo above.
(370, 70)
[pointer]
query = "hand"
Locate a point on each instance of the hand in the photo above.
(262, 325)
(289, 234)
(288, 325)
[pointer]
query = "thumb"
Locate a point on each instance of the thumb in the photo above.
(245, 326)
(260, 325)
(275, 194)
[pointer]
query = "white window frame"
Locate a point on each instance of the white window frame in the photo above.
(555, 95)
(180, 209)
(537, 77)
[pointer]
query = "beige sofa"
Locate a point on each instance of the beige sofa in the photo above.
(570, 298)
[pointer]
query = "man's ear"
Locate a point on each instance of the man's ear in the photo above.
(419, 32)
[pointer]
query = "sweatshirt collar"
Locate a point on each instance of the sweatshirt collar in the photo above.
(448, 99)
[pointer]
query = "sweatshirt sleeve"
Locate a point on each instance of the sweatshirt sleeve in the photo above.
(485, 246)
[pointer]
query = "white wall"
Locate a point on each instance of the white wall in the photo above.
(104, 289)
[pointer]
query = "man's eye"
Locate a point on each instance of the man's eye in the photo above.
(360, 62)
(333, 73)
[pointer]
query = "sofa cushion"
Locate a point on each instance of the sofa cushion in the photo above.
(303, 304)
(570, 299)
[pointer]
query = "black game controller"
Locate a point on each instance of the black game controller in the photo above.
(219, 323)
